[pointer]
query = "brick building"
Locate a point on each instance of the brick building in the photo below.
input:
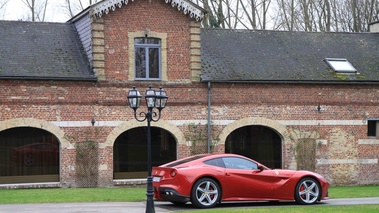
(294, 100)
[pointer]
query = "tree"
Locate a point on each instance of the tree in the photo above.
(3, 3)
(327, 15)
(37, 9)
(291, 15)
(72, 7)
(299, 15)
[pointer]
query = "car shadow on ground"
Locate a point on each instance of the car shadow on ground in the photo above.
(225, 205)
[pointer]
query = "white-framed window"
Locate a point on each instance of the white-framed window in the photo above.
(147, 56)
(137, 69)
(373, 127)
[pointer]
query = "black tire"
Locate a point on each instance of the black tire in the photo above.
(307, 191)
(205, 193)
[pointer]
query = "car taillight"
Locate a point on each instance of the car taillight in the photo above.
(173, 173)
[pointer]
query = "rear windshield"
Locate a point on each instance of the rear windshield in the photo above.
(176, 163)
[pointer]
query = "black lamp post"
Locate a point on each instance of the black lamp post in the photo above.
(154, 99)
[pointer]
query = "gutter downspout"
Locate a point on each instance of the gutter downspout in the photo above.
(209, 117)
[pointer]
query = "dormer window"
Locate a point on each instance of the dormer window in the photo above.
(340, 65)
(147, 58)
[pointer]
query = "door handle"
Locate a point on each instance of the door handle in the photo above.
(227, 174)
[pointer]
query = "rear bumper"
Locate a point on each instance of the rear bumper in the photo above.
(169, 194)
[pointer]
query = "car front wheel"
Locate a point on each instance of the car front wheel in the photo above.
(205, 193)
(307, 191)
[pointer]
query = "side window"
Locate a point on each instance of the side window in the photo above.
(215, 162)
(147, 58)
(239, 163)
(373, 128)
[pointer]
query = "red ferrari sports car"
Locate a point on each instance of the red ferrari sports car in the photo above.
(206, 180)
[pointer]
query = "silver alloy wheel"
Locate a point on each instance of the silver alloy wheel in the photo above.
(207, 193)
(308, 191)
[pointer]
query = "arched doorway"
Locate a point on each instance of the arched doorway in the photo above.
(257, 142)
(28, 155)
(130, 151)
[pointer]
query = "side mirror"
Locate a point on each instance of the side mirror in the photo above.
(260, 167)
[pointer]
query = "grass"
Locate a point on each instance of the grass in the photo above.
(353, 191)
(66, 195)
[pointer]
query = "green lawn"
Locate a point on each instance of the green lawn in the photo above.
(65, 195)
(353, 191)
(60, 195)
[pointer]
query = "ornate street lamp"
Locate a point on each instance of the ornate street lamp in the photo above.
(154, 99)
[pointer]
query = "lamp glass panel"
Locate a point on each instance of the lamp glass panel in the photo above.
(150, 98)
(161, 99)
(134, 98)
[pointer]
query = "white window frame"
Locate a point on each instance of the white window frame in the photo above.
(131, 54)
(147, 47)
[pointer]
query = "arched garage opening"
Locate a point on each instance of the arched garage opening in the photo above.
(257, 142)
(130, 151)
(28, 155)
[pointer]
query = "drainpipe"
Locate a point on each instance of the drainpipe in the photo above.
(209, 117)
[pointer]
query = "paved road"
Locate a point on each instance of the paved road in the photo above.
(160, 207)
(103, 207)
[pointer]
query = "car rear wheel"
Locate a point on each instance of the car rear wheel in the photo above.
(205, 193)
(307, 191)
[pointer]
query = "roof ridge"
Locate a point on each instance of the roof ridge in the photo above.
(285, 31)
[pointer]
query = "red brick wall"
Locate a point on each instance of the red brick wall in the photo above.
(106, 102)
(157, 16)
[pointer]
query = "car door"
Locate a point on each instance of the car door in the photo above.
(244, 180)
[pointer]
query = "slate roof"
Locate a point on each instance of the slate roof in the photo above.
(40, 50)
(286, 57)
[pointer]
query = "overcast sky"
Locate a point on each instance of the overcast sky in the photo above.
(17, 10)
